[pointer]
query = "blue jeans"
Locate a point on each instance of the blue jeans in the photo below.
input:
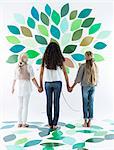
(53, 88)
(88, 98)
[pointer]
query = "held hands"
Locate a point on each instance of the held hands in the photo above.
(12, 90)
(40, 89)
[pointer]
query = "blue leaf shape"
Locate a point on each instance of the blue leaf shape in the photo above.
(17, 48)
(13, 29)
(48, 10)
(7, 127)
(84, 13)
(32, 143)
(10, 137)
(100, 45)
(78, 57)
(31, 22)
(35, 13)
(64, 25)
(55, 32)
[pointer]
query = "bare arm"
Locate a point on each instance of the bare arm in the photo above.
(41, 79)
(13, 86)
(35, 82)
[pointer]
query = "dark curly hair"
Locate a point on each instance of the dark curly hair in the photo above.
(53, 57)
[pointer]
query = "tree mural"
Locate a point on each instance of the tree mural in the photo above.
(75, 31)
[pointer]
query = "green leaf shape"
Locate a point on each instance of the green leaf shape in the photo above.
(94, 28)
(55, 17)
(32, 54)
(44, 18)
(109, 137)
(73, 14)
(26, 31)
(39, 61)
(69, 49)
(56, 138)
(67, 70)
(78, 145)
(95, 140)
(41, 40)
(86, 131)
(57, 133)
(87, 22)
(55, 32)
(70, 126)
(48, 148)
(65, 39)
(77, 35)
(86, 41)
(19, 18)
(76, 24)
(32, 143)
(13, 29)
(21, 141)
(68, 63)
(31, 22)
(100, 133)
(84, 13)
(43, 30)
(51, 144)
(103, 34)
(98, 57)
(100, 45)
(13, 39)
(12, 59)
(65, 10)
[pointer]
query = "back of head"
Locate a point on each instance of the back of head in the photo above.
(53, 57)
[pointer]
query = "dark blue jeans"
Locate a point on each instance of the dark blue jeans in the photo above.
(88, 99)
(53, 88)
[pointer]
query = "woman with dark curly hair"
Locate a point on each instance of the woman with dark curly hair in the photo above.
(53, 66)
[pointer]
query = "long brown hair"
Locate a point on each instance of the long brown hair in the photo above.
(53, 57)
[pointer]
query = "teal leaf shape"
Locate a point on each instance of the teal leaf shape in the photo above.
(98, 57)
(19, 18)
(7, 127)
(21, 141)
(73, 14)
(41, 40)
(13, 29)
(78, 57)
(9, 138)
(44, 18)
(48, 10)
(64, 25)
(13, 39)
(14, 147)
(55, 32)
(103, 34)
(57, 133)
(95, 140)
(12, 59)
(84, 13)
(35, 13)
(109, 137)
(39, 61)
(64, 10)
(78, 145)
(77, 35)
(69, 140)
(94, 28)
(70, 126)
(55, 17)
(32, 54)
(32, 143)
(51, 144)
(17, 48)
(100, 45)
(69, 49)
(86, 131)
(31, 22)
(87, 22)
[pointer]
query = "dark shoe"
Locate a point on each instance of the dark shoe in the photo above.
(25, 125)
(19, 125)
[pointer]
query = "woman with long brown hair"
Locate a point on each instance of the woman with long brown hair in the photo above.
(87, 75)
(53, 66)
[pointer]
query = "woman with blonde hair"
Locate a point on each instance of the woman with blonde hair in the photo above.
(23, 74)
(87, 75)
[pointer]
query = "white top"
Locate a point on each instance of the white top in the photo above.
(24, 87)
(52, 75)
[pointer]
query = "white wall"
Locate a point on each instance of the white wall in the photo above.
(104, 96)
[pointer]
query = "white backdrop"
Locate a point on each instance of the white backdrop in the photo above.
(104, 96)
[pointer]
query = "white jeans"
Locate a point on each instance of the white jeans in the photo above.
(23, 108)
